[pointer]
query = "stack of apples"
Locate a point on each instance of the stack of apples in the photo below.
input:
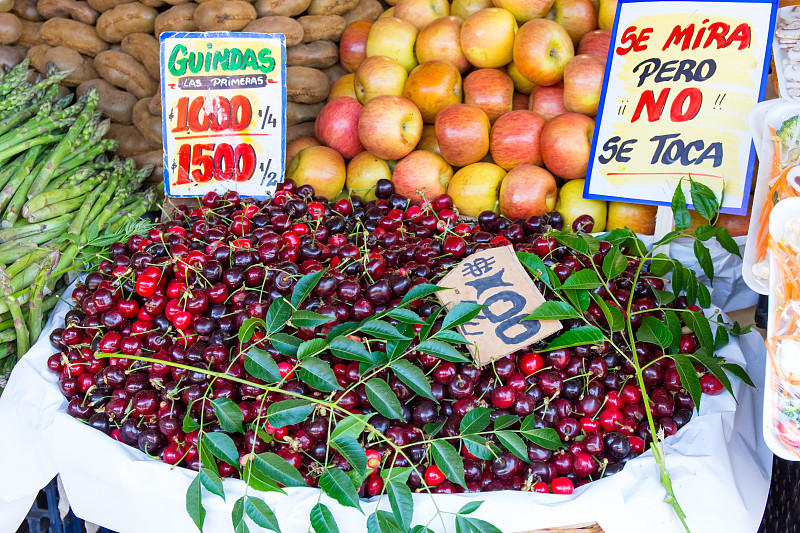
(489, 101)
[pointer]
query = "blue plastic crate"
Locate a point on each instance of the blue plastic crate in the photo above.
(45, 518)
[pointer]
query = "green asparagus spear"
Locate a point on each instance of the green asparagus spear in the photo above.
(16, 313)
(37, 294)
(45, 199)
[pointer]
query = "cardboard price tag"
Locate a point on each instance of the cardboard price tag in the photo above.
(495, 278)
(223, 112)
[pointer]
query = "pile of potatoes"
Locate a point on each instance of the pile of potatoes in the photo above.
(112, 45)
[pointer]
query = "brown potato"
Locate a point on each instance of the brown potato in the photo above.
(335, 72)
(123, 71)
(10, 56)
(143, 47)
(10, 28)
(306, 85)
(114, 103)
(224, 15)
(6, 5)
(290, 28)
(105, 5)
(76, 10)
(177, 2)
(322, 27)
(153, 3)
(319, 54)
(130, 140)
(36, 56)
(113, 25)
(285, 8)
(297, 113)
(80, 37)
(365, 10)
(306, 129)
(155, 158)
(31, 34)
(155, 104)
(176, 18)
(331, 7)
(26, 9)
(64, 58)
(148, 124)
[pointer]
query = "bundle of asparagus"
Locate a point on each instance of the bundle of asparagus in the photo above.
(58, 192)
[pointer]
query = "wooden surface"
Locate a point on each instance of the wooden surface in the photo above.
(589, 527)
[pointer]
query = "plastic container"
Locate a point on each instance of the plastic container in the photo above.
(44, 516)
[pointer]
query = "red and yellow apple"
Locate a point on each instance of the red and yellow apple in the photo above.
(387, 14)
(597, 42)
(606, 14)
(428, 140)
(566, 142)
(337, 126)
(576, 16)
(379, 75)
(521, 83)
(487, 38)
(421, 12)
(515, 139)
(639, 218)
(390, 126)
(474, 188)
(294, 147)
(433, 85)
(520, 102)
(393, 37)
(441, 39)
(525, 10)
(542, 49)
(548, 101)
(421, 175)
(344, 86)
(321, 167)
(363, 172)
(490, 89)
(353, 44)
(463, 134)
(572, 204)
(463, 9)
(583, 83)
(526, 191)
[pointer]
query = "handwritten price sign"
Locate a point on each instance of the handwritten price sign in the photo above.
(681, 79)
(223, 100)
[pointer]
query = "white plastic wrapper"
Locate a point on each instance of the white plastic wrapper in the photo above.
(719, 464)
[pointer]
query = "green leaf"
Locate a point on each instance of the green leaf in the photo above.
(703, 296)
(689, 380)
(229, 415)
(674, 326)
(249, 327)
(739, 372)
(322, 520)
(395, 474)
(382, 522)
(345, 328)
(682, 218)
(553, 310)
(582, 279)
(654, 332)
(479, 526)
(504, 421)
(536, 266)
(402, 503)
(311, 347)
(616, 236)
(396, 349)
(429, 322)
(461, 313)
(698, 323)
(667, 238)
(223, 447)
(304, 286)
(678, 277)
(275, 467)
(383, 399)
(470, 508)
(453, 337)
(353, 453)
(449, 461)
(691, 288)
(514, 444)
(480, 447)
(194, 503)
(285, 344)
(704, 258)
(351, 427)
(579, 298)
(278, 315)
(705, 232)
(413, 377)
(660, 265)
(288, 412)
(475, 421)
(318, 374)
(726, 241)
(614, 263)
(577, 337)
(613, 316)
(308, 319)
(206, 457)
(259, 363)
(442, 350)
(382, 330)
(419, 291)
(664, 297)
(703, 200)
(189, 424)
(721, 339)
(572, 241)
(712, 364)
(346, 348)
(237, 517)
(260, 513)
(544, 437)
(338, 486)
(406, 316)
(212, 482)
(256, 480)
(433, 428)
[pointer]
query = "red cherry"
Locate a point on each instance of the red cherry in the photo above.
(562, 485)
(503, 397)
(637, 444)
(541, 487)
(374, 485)
(589, 424)
(343, 207)
(316, 210)
(630, 394)
(710, 385)
(146, 286)
(613, 400)
(442, 202)
(686, 344)
(286, 370)
(182, 320)
(530, 363)
(610, 418)
(455, 246)
(433, 476)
